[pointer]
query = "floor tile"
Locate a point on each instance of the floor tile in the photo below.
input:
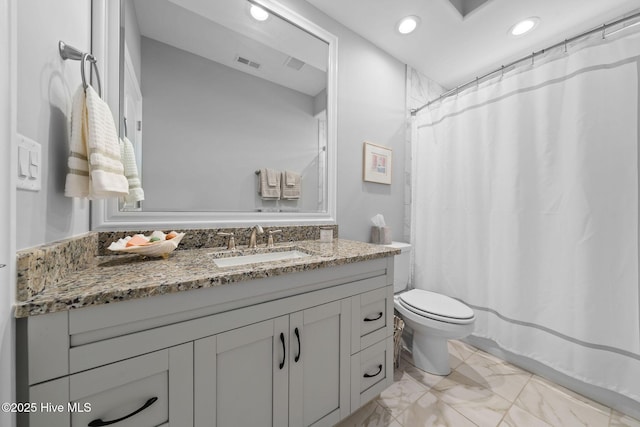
(400, 395)
(572, 393)
(497, 375)
(559, 408)
(517, 417)
(430, 411)
(425, 378)
(370, 415)
(482, 390)
(460, 350)
(619, 419)
(471, 399)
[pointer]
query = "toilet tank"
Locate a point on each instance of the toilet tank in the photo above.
(401, 266)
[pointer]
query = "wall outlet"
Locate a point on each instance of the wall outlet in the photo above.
(29, 164)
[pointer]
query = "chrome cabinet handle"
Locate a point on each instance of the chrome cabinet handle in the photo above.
(299, 345)
(366, 319)
(100, 423)
(284, 350)
(374, 375)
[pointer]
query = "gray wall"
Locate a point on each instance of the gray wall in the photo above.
(371, 107)
(45, 86)
(207, 128)
(132, 36)
(7, 281)
(371, 96)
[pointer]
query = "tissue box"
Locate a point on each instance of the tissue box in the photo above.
(381, 235)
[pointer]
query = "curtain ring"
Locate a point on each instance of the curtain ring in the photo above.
(604, 29)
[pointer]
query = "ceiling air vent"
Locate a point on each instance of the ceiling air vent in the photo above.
(294, 63)
(247, 62)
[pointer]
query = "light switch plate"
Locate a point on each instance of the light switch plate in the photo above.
(29, 164)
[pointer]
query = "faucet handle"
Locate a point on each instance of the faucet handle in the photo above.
(270, 240)
(231, 245)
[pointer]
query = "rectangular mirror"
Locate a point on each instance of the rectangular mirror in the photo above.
(208, 96)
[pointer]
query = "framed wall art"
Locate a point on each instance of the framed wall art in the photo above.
(376, 163)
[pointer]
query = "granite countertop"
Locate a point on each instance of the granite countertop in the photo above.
(124, 277)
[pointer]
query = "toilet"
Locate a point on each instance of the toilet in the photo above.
(433, 317)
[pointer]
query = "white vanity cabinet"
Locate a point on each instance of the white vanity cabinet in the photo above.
(319, 358)
(239, 380)
(301, 349)
(152, 389)
(288, 370)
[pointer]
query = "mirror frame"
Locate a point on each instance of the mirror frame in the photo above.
(107, 36)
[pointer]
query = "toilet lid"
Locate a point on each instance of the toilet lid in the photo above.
(436, 306)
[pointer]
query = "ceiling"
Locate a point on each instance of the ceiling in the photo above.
(222, 31)
(451, 48)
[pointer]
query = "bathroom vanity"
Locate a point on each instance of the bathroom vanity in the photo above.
(183, 342)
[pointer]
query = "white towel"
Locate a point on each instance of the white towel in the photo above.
(105, 167)
(127, 154)
(291, 185)
(291, 178)
(265, 190)
(272, 178)
(77, 183)
(95, 169)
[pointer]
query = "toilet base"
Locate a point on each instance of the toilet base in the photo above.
(431, 354)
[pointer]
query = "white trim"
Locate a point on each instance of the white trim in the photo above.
(105, 214)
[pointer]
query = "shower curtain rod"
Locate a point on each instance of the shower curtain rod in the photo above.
(532, 56)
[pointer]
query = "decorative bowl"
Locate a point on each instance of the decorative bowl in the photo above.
(160, 248)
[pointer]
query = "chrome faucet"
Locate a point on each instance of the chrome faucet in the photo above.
(270, 240)
(255, 230)
(231, 245)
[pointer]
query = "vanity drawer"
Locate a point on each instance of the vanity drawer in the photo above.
(372, 319)
(371, 372)
(149, 390)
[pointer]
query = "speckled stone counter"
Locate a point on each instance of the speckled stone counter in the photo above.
(209, 238)
(119, 278)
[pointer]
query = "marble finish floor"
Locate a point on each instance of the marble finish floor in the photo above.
(481, 390)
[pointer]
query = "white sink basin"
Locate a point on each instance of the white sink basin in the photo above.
(256, 258)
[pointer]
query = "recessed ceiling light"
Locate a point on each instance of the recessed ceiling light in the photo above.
(525, 26)
(408, 25)
(258, 13)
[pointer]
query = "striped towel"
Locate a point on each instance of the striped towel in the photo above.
(127, 154)
(95, 169)
(77, 184)
(291, 185)
(269, 184)
(105, 167)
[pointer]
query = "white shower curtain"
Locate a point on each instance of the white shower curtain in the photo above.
(525, 207)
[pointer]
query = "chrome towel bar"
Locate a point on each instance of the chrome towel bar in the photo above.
(70, 52)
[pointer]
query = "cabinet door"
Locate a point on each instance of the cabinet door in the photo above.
(319, 370)
(241, 376)
(155, 389)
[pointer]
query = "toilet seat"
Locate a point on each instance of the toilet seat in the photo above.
(436, 306)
